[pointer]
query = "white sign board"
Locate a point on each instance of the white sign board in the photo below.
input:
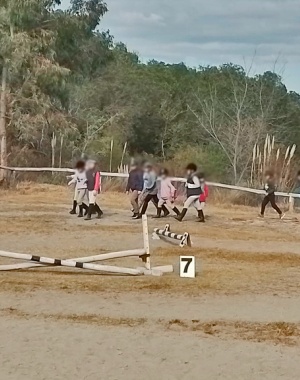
(187, 266)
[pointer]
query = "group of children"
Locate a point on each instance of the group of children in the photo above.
(144, 186)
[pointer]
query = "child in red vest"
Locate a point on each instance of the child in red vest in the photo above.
(202, 197)
(93, 182)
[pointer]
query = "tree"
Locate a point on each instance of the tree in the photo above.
(26, 59)
(236, 111)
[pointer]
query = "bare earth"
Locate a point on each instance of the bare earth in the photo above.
(239, 319)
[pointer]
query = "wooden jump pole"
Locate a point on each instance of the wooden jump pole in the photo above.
(71, 263)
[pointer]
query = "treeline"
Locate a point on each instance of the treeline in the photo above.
(69, 89)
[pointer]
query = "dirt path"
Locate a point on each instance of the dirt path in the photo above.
(239, 319)
(50, 350)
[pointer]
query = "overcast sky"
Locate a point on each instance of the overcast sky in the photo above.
(201, 32)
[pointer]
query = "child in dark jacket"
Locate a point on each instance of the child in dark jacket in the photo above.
(270, 189)
(135, 185)
(193, 192)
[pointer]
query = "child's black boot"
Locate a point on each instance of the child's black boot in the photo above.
(89, 213)
(73, 211)
(80, 215)
(158, 215)
(201, 218)
(181, 215)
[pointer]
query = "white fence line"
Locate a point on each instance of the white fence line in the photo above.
(174, 179)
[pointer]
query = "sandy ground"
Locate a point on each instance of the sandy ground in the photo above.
(238, 319)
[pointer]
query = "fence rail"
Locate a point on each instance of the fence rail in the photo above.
(291, 196)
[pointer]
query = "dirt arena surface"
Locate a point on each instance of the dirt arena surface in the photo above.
(239, 319)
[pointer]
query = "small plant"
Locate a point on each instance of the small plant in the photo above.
(278, 158)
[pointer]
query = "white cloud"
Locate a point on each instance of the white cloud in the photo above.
(209, 31)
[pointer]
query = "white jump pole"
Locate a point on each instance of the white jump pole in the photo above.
(87, 259)
(71, 263)
(143, 253)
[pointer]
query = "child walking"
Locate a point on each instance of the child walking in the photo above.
(270, 189)
(135, 186)
(73, 181)
(79, 179)
(202, 197)
(166, 193)
(93, 182)
(150, 190)
(193, 192)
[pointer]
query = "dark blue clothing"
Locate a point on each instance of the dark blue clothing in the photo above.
(135, 180)
(270, 187)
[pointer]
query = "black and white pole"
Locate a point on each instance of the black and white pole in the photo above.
(70, 263)
(184, 239)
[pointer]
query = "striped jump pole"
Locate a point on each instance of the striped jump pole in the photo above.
(85, 262)
(70, 263)
(87, 259)
(184, 239)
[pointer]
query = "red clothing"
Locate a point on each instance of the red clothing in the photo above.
(97, 186)
(204, 194)
(93, 180)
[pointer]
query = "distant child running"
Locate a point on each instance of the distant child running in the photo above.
(79, 179)
(135, 186)
(93, 181)
(166, 193)
(202, 197)
(193, 192)
(270, 189)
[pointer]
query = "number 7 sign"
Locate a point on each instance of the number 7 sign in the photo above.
(187, 266)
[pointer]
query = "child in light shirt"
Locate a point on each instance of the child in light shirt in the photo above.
(166, 193)
(79, 178)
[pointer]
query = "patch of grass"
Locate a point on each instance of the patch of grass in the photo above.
(279, 333)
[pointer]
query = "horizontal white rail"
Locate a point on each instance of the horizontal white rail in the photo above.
(174, 179)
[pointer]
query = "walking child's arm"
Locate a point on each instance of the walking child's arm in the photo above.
(73, 180)
(97, 186)
(172, 189)
(206, 191)
(196, 181)
(128, 184)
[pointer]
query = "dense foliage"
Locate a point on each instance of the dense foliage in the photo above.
(69, 89)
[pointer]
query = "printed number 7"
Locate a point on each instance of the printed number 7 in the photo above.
(188, 262)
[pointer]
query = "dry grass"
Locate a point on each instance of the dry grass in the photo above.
(279, 333)
(219, 271)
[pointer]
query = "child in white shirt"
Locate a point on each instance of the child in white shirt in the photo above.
(81, 194)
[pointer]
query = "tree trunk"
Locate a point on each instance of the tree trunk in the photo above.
(3, 134)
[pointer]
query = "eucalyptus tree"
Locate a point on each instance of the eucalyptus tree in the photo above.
(27, 62)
